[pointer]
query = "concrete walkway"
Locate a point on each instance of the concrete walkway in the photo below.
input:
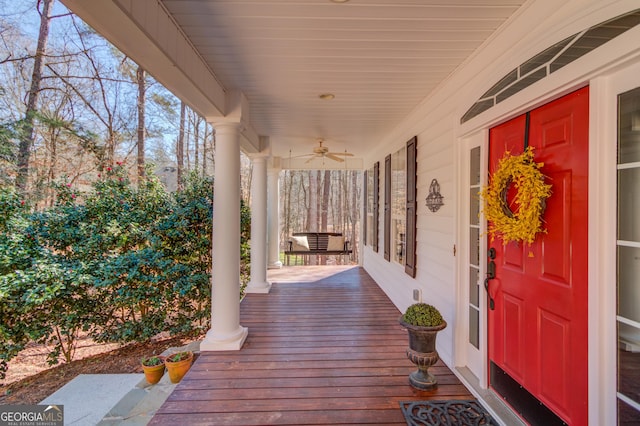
(88, 397)
(114, 399)
(139, 405)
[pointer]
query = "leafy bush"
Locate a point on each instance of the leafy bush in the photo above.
(118, 262)
(423, 315)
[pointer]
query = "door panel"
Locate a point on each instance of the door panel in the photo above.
(513, 362)
(557, 268)
(513, 258)
(538, 329)
(554, 361)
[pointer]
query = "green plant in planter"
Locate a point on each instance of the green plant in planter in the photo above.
(178, 364)
(422, 315)
(179, 356)
(153, 367)
(152, 361)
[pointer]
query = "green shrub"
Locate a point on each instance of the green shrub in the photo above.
(423, 315)
(119, 262)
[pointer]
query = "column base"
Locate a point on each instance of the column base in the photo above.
(275, 265)
(230, 342)
(258, 287)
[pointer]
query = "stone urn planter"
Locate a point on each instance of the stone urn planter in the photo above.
(178, 364)
(422, 322)
(153, 367)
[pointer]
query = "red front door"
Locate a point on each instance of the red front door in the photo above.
(538, 327)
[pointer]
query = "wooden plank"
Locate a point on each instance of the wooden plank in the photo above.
(310, 372)
(325, 352)
(267, 356)
(336, 403)
(318, 417)
(310, 382)
(256, 393)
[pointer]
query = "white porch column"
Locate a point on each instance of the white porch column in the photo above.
(226, 332)
(258, 282)
(273, 213)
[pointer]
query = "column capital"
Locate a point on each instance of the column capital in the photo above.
(259, 157)
(225, 126)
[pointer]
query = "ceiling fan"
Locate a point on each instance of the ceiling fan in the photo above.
(322, 151)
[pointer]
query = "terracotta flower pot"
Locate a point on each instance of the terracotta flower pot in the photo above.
(178, 368)
(153, 373)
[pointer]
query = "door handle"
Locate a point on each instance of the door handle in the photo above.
(492, 303)
(491, 274)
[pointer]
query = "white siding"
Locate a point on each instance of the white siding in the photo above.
(436, 124)
(435, 233)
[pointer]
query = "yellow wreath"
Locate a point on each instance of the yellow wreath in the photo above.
(524, 173)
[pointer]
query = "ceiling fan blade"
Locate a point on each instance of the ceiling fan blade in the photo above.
(343, 154)
(333, 157)
(310, 159)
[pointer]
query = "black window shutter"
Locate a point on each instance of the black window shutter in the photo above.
(376, 204)
(410, 258)
(387, 207)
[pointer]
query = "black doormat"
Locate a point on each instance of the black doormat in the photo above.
(449, 413)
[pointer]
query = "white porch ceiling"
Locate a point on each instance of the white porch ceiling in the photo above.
(380, 58)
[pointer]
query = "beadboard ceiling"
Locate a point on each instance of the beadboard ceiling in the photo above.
(380, 58)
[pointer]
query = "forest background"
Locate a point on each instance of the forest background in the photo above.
(106, 193)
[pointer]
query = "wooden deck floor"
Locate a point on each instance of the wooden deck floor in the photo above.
(327, 351)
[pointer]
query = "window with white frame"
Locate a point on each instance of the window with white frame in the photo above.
(628, 254)
(398, 205)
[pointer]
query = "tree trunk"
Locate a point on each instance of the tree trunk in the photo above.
(326, 186)
(287, 202)
(318, 177)
(209, 133)
(180, 147)
(27, 137)
(196, 138)
(246, 191)
(313, 208)
(53, 163)
(340, 205)
(312, 225)
(141, 116)
(205, 138)
(190, 120)
(324, 206)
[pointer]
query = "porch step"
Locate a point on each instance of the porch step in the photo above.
(139, 405)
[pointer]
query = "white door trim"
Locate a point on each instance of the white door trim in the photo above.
(474, 359)
(602, 239)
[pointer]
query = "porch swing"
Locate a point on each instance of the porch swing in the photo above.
(318, 243)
